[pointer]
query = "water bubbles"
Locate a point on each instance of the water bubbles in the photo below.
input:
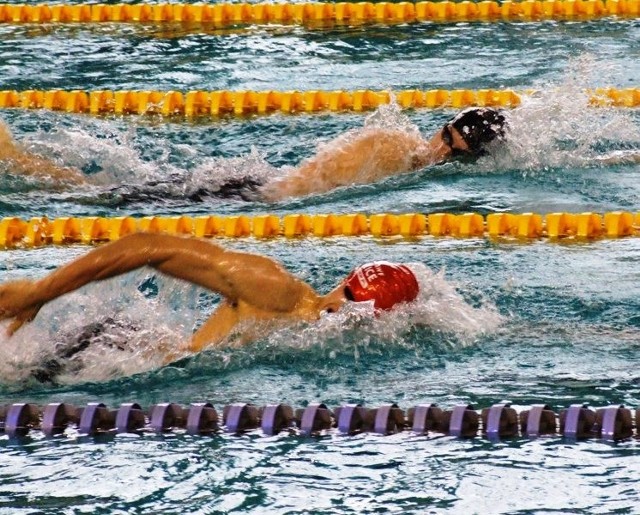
(213, 173)
(440, 312)
(442, 307)
(386, 144)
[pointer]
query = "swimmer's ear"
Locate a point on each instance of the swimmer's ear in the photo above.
(331, 305)
(333, 300)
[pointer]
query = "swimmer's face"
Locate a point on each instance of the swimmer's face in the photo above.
(447, 144)
(333, 301)
(469, 133)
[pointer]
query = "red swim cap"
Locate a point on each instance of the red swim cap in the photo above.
(385, 283)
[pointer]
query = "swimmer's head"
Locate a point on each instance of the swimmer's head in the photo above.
(477, 127)
(386, 284)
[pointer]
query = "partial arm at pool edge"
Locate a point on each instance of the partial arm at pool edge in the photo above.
(24, 163)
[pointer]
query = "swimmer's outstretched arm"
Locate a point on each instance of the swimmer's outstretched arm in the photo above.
(24, 163)
(250, 279)
(355, 158)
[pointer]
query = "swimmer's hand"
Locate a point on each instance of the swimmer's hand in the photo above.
(18, 301)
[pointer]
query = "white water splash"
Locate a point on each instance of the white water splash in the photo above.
(391, 116)
(387, 143)
(120, 162)
(442, 307)
(133, 333)
(99, 144)
(556, 127)
(213, 172)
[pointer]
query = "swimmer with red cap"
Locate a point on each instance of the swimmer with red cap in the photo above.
(255, 289)
(384, 283)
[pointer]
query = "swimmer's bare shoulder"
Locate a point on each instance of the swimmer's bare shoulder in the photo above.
(355, 157)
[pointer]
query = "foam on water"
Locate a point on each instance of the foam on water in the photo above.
(136, 331)
(212, 172)
(440, 308)
(96, 144)
(111, 159)
(557, 127)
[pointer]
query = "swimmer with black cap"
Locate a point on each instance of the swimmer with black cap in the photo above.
(374, 153)
(360, 156)
(471, 131)
(258, 293)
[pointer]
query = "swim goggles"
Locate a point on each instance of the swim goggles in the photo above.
(447, 139)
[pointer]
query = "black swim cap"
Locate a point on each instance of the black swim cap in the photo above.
(479, 126)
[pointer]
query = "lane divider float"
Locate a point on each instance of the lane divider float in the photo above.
(226, 14)
(500, 421)
(225, 102)
(39, 231)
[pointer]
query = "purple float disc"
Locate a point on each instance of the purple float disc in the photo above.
(420, 418)
(571, 420)
(308, 419)
(609, 422)
(196, 413)
(123, 417)
(234, 415)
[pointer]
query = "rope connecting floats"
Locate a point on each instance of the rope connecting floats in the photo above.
(225, 102)
(578, 421)
(15, 232)
(225, 14)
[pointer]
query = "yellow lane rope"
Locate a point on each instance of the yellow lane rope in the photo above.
(15, 232)
(224, 14)
(225, 102)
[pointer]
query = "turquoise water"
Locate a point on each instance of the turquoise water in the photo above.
(528, 322)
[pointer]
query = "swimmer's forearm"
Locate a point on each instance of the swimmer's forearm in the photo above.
(36, 166)
(212, 333)
(110, 260)
(354, 158)
(25, 163)
(258, 280)
(21, 300)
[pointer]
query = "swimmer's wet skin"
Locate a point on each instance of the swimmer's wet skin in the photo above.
(268, 294)
(385, 284)
(466, 136)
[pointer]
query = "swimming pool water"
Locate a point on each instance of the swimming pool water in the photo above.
(569, 310)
